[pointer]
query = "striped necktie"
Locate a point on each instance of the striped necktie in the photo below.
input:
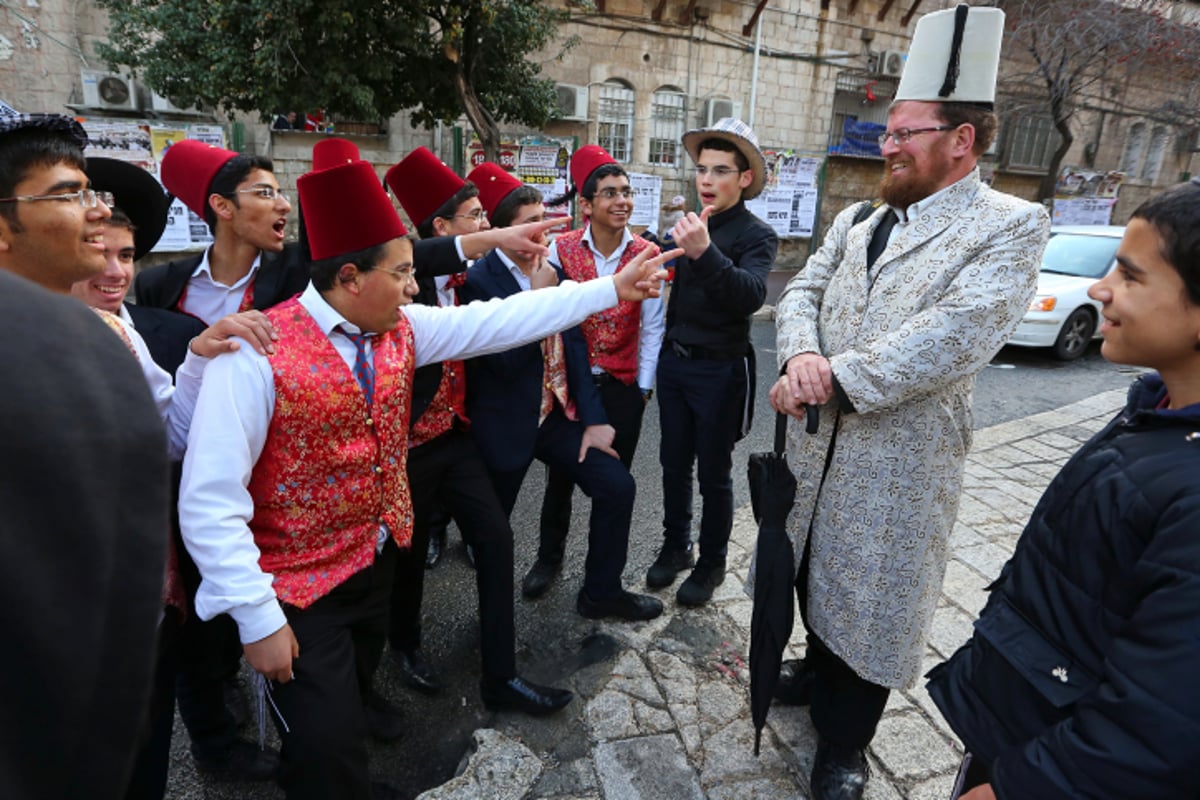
(364, 367)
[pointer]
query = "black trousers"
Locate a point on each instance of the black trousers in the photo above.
(602, 478)
(149, 778)
(700, 408)
(320, 712)
(210, 654)
(846, 708)
(449, 472)
(624, 406)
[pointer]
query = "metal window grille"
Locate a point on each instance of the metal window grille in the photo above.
(615, 118)
(1135, 148)
(1154, 156)
(1033, 141)
(667, 118)
(860, 105)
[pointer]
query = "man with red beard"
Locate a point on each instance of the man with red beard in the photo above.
(885, 330)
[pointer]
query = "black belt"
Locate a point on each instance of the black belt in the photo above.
(603, 378)
(696, 351)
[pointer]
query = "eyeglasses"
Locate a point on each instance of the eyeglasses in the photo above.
(479, 215)
(609, 193)
(265, 192)
(719, 172)
(88, 198)
(903, 135)
(403, 273)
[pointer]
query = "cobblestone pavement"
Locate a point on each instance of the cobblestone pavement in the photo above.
(667, 715)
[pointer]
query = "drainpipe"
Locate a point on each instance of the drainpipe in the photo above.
(754, 74)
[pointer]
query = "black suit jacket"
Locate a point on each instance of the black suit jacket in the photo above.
(83, 488)
(280, 277)
(167, 333)
(504, 390)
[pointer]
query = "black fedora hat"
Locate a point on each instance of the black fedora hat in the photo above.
(137, 193)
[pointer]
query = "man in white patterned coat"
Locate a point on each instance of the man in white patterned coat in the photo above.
(885, 329)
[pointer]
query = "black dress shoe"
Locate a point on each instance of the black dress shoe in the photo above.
(233, 692)
(795, 684)
(671, 560)
(417, 672)
(518, 694)
(839, 773)
(437, 543)
(241, 761)
(698, 588)
(539, 578)
(627, 606)
(385, 723)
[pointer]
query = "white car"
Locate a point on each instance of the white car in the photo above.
(1062, 316)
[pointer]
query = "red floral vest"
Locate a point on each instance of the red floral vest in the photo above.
(449, 402)
(612, 334)
(332, 470)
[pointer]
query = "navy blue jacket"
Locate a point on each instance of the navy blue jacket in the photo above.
(167, 334)
(1081, 677)
(504, 390)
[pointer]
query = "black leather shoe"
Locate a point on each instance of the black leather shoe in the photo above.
(518, 694)
(697, 590)
(838, 773)
(671, 560)
(241, 761)
(795, 684)
(539, 578)
(417, 672)
(385, 723)
(627, 606)
(233, 692)
(437, 543)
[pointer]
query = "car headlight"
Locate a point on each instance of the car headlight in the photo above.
(1043, 302)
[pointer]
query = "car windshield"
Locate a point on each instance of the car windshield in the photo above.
(1079, 254)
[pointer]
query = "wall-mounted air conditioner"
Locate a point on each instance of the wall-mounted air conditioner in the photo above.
(572, 102)
(108, 90)
(717, 108)
(890, 63)
(164, 105)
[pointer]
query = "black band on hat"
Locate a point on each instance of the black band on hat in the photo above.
(960, 25)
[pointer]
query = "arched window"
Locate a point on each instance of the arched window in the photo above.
(1135, 148)
(615, 117)
(1154, 156)
(666, 118)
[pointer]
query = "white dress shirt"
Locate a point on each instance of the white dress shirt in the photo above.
(208, 299)
(237, 402)
(176, 400)
(653, 322)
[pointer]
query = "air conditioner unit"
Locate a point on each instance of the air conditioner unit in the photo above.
(717, 108)
(108, 90)
(572, 102)
(890, 63)
(165, 105)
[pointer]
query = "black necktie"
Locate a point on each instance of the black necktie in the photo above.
(879, 238)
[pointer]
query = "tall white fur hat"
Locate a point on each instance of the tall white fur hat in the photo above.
(954, 57)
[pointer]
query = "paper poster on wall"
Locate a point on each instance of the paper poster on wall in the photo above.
(161, 140)
(1083, 210)
(537, 161)
(804, 211)
(209, 134)
(647, 196)
(124, 141)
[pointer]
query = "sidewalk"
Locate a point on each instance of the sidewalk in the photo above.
(669, 717)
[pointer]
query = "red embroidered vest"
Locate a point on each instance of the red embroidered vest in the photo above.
(332, 470)
(450, 400)
(612, 334)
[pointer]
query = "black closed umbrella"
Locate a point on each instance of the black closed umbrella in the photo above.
(772, 492)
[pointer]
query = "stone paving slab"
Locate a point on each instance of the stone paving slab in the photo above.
(670, 719)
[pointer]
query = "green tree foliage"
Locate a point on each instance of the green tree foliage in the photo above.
(361, 59)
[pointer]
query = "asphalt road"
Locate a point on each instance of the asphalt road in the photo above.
(554, 642)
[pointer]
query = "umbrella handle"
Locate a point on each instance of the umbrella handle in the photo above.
(812, 420)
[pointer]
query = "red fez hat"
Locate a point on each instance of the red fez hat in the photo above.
(587, 160)
(188, 169)
(332, 152)
(422, 183)
(346, 210)
(494, 184)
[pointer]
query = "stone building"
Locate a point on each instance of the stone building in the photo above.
(808, 74)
